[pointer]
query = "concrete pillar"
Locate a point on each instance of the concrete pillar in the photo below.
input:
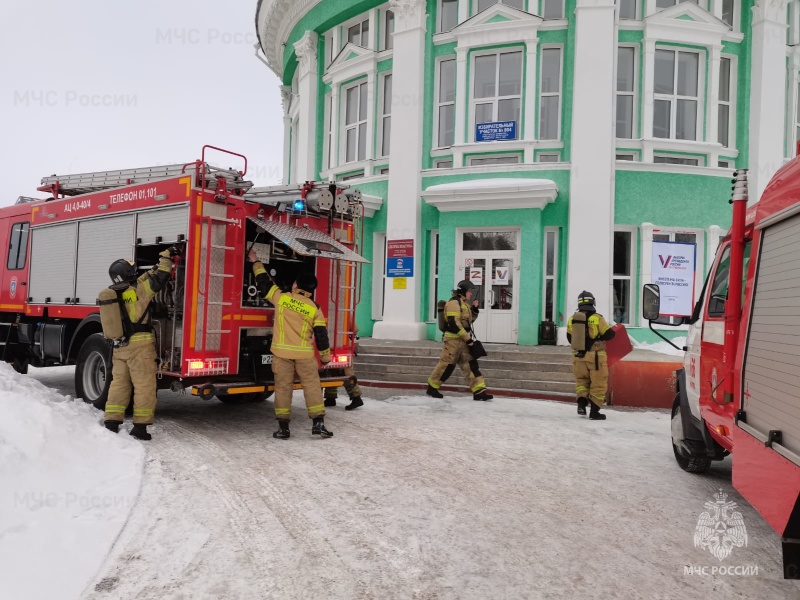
(286, 102)
(591, 199)
(768, 80)
(713, 101)
(307, 84)
(401, 315)
(530, 98)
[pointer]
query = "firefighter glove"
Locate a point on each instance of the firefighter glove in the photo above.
(325, 357)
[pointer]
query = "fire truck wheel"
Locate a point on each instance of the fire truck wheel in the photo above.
(690, 465)
(243, 398)
(93, 371)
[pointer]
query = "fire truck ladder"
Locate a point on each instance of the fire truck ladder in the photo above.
(85, 183)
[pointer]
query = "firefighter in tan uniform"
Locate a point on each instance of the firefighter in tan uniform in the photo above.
(298, 324)
(587, 332)
(459, 315)
(350, 383)
(135, 364)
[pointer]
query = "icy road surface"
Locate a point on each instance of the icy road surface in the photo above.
(421, 498)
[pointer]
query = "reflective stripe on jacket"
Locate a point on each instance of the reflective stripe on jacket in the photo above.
(463, 315)
(296, 315)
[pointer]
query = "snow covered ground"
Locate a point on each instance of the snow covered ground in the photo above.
(67, 487)
(420, 498)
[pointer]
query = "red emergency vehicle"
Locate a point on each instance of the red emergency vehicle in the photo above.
(213, 330)
(739, 391)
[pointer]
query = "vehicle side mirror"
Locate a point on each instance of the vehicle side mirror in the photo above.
(651, 302)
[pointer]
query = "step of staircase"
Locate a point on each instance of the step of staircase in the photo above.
(532, 371)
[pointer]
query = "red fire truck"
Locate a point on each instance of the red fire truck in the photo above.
(213, 330)
(739, 391)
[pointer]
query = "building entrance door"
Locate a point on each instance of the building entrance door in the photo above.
(494, 273)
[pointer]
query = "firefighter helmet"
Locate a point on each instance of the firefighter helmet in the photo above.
(306, 282)
(122, 271)
(464, 286)
(586, 301)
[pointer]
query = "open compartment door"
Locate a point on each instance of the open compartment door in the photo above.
(308, 242)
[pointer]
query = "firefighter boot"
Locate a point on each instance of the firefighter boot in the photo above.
(329, 402)
(582, 404)
(595, 414)
(139, 431)
(283, 432)
(112, 426)
(330, 397)
(482, 395)
(433, 392)
(318, 428)
(355, 402)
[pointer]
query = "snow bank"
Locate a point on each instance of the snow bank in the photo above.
(662, 347)
(67, 486)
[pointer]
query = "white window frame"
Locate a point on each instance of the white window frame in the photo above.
(437, 104)
(437, 164)
(731, 102)
(345, 127)
(328, 148)
(541, 9)
(495, 100)
(793, 31)
(632, 94)
(378, 273)
(379, 153)
(674, 98)
(699, 159)
(439, 13)
(559, 94)
(725, 164)
(344, 29)
(332, 46)
(701, 3)
(554, 276)
(736, 10)
(632, 155)
(433, 276)
(493, 156)
(385, 34)
(632, 254)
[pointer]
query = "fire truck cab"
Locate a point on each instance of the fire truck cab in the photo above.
(739, 390)
(213, 328)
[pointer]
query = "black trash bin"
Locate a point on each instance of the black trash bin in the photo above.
(547, 333)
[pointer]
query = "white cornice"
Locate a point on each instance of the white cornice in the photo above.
(487, 194)
(275, 20)
(626, 165)
(372, 204)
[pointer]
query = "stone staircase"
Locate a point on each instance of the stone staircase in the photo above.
(521, 371)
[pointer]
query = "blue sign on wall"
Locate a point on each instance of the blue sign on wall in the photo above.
(492, 132)
(400, 267)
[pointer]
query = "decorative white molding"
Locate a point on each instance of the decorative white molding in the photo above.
(629, 165)
(408, 14)
(372, 204)
(481, 30)
(286, 98)
(491, 194)
(276, 19)
(686, 23)
(770, 10)
(351, 62)
(483, 169)
(306, 52)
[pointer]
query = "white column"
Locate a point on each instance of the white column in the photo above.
(648, 90)
(529, 135)
(463, 10)
(286, 102)
(712, 117)
(401, 316)
(307, 84)
(591, 195)
(462, 88)
(768, 80)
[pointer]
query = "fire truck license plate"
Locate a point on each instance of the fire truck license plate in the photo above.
(266, 359)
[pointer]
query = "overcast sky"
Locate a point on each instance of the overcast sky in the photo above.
(97, 84)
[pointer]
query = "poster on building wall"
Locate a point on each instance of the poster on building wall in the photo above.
(674, 266)
(400, 258)
(476, 275)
